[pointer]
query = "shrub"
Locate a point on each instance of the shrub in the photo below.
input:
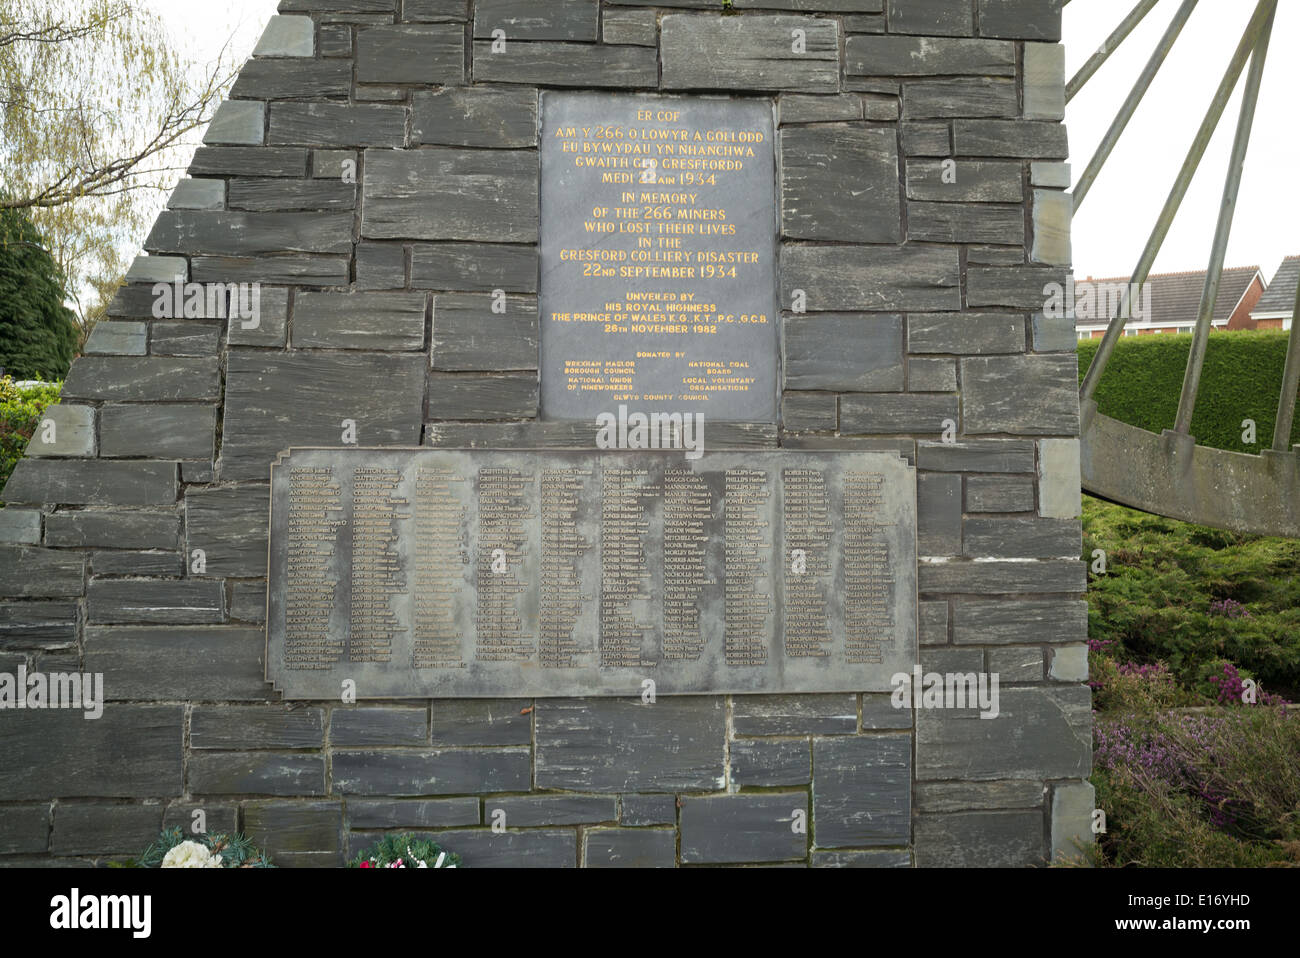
(20, 411)
(1129, 687)
(1195, 599)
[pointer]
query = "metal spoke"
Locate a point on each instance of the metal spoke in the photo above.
(1112, 44)
(1290, 384)
(1223, 231)
(1263, 13)
(1165, 472)
(1130, 106)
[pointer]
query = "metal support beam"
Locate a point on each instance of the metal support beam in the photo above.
(1290, 384)
(1223, 230)
(1095, 62)
(1263, 13)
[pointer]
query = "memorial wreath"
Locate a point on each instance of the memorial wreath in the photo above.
(405, 851)
(173, 850)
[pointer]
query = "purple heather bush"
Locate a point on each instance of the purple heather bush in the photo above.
(1231, 686)
(1229, 609)
(1219, 787)
(1209, 786)
(1173, 752)
(1133, 687)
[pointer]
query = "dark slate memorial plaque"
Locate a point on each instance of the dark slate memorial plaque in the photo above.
(658, 257)
(456, 573)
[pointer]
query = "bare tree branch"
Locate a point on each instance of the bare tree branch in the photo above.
(89, 176)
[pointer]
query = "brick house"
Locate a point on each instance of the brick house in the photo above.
(1276, 308)
(1175, 299)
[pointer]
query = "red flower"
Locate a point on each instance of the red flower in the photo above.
(367, 865)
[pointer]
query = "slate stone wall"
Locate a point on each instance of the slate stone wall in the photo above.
(922, 299)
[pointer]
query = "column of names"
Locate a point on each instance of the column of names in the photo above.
(315, 510)
(440, 558)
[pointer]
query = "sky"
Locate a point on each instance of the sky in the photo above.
(1114, 223)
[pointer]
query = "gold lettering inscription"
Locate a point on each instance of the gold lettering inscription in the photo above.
(659, 248)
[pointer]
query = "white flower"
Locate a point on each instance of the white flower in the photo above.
(191, 855)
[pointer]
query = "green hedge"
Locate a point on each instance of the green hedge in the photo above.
(20, 411)
(1241, 379)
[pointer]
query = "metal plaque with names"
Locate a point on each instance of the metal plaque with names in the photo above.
(426, 573)
(658, 249)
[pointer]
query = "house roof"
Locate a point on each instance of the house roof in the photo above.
(1175, 297)
(1280, 296)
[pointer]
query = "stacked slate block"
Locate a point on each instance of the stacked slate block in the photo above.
(921, 183)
